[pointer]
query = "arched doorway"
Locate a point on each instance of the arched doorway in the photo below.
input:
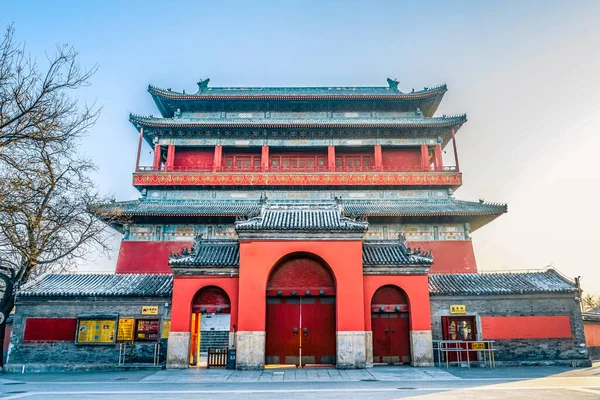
(391, 326)
(211, 310)
(301, 323)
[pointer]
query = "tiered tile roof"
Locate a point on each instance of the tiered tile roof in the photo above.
(392, 252)
(300, 217)
(414, 122)
(215, 253)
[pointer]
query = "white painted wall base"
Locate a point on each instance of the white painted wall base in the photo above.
(421, 348)
(369, 348)
(250, 346)
(351, 349)
(178, 350)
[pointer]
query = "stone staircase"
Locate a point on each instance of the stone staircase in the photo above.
(213, 339)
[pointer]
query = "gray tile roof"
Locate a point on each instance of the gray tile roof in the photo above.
(548, 281)
(293, 92)
(392, 252)
(210, 253)
(181, 208)
(416, 122)
(101, 285)
(591, 317)
(422, 208)
(301, 217)
(449, 207)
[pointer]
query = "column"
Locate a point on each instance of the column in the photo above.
(438, 160)
(156, 163)
(139, 152)
(331, 158)
(455, 150)
(170, 157)
(264, 158)
(424, 158)
(218, 157)
(378, 158)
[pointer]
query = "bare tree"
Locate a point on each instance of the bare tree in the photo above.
(589, 302)
(35, 104)
(46, 193)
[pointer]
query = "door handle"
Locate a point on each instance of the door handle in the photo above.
(305, 331)
(393, 331)
(386, 331)
(295, 331)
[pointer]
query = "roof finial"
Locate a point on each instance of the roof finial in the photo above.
(203, 84)
(393, 83)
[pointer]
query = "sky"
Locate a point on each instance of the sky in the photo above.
(527, 73)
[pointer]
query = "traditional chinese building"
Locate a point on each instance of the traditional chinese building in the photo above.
(311, 226)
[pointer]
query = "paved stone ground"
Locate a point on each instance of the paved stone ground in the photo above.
(323, 383)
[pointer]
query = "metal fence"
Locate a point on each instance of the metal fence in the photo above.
(480, 352)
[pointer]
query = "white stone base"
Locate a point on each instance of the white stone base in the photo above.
(250, 346)
(421, 348)
(369, 348)
(178, 350)
(351, 349)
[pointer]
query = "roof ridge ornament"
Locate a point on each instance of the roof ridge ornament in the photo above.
(393, 83)
(203, 84)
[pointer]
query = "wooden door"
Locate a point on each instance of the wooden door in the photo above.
(318, 330)
(300, 330)
(391, 341)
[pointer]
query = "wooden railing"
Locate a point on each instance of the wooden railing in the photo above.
(217, 358)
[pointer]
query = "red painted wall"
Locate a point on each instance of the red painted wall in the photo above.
(193, 157)
(416, 288)
(147, 257)
(7, 333)
(185, 290)
(449, 256)
(50, 329)
(301, 274)
(592, 334)
(534, 327)
(344, 258)
(408, 158)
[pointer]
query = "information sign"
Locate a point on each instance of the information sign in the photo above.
(125, 330)
(478, 346)
(96, 331)
(166, 328)
(149, 310)
(458, 309)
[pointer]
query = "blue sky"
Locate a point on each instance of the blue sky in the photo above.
(526, 73)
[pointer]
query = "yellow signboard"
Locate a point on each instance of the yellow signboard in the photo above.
(96, 331)
(478, 346)
(125, 329)
(149, 310)
(458, 309)
(165, 330)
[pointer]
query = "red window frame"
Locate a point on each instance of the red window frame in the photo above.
(299, 162)
(353, 161)
(242, 162)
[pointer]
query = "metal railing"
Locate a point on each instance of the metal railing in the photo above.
(463, 351)
(126, 353)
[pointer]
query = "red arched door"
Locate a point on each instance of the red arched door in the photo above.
(210, 321)
(300, 324)
(390, 324)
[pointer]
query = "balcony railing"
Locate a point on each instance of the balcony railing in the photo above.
(210, 168)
